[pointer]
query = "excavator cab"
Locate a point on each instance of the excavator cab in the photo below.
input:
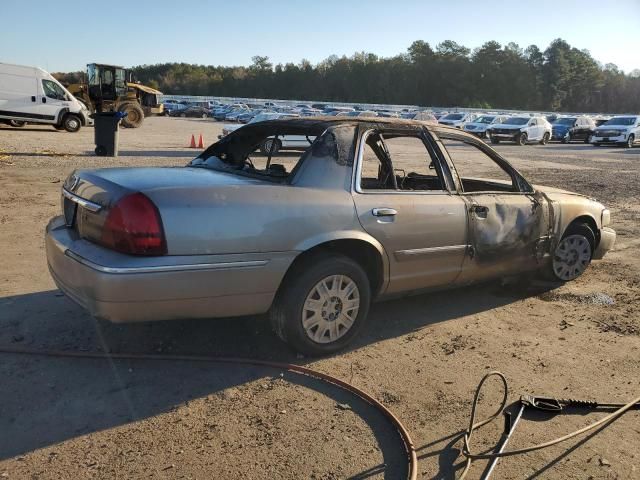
(107, 83)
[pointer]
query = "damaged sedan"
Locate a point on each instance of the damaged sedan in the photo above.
(373, 208)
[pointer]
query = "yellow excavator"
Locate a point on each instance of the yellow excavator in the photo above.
(110, 88)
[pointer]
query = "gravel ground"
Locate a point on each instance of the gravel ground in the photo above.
(422, 357)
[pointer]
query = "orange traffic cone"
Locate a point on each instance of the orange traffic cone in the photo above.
(193, 142)
(200, 143)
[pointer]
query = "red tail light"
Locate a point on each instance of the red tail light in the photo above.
(134, 226)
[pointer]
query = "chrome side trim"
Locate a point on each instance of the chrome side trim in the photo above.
(92, 207)
(166, 268)
(405, 255)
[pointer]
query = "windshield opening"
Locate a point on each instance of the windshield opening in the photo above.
(485, 119)
(565, 121)
(453, 116)
(625, 121)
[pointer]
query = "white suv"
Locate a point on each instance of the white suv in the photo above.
(521, 130)
(623, 130)
(480, 125)
(457, 120)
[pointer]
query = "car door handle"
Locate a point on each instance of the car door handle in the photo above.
(480, 211)
(384, 212)
(33, 98)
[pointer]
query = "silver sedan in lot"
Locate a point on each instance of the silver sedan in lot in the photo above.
(373, 208)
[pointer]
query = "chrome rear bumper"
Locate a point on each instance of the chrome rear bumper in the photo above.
(124, 288)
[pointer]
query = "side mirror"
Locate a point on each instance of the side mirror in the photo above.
(432, 166)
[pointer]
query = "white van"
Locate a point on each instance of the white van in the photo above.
(29, 94)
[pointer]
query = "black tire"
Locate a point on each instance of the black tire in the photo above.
(183, 115)
(587, 138)
(71, 122)
(494, 140)
(522, 139)
(17, 123)
(100, 151)
(204, 115)
(135, 115)
(630, 141)
(265, 147)
(566, 139)
(581, 230)
(545, 139)
(287, 310)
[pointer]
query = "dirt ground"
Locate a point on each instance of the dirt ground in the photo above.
(422, 357)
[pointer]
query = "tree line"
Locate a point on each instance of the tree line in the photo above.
(559, 78)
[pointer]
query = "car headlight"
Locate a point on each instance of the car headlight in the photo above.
(605, 217)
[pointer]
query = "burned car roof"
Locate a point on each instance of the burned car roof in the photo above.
(239, 143)
(314, 126)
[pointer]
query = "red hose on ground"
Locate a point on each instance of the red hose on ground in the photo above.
(404, 434)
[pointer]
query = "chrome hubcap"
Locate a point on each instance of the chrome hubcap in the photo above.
(571, 258)
(330, 309)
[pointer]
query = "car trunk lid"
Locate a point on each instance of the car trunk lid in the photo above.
(88, 195)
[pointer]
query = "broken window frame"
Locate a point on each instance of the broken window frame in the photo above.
(518, 181)
(441, 171)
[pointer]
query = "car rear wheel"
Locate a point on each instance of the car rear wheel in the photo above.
(17, 123)
(522, 139)
(630, 141)
(573, 254)
(204, 115)
(183, 115)
(545, 139)
(494, 140)
(322, 304)
(566, 139)
(267, 145)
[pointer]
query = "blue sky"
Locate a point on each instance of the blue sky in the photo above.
(65, 36)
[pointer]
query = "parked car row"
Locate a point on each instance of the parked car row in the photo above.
(521, 129)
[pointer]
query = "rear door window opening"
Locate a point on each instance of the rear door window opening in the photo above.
(398, 161)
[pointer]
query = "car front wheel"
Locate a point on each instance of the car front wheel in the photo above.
(322, 304)
(522, 139)
(573, 254)
(545, 139)
(630, 141)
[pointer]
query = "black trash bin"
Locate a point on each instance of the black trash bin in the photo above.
(106, 132)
